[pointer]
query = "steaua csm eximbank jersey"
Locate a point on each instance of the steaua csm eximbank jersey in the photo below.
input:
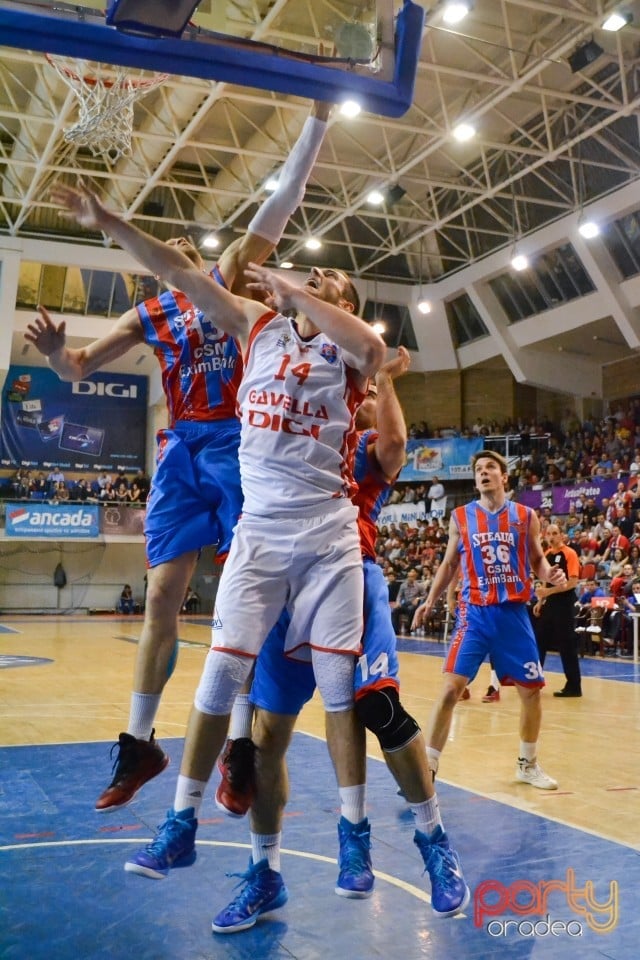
(494, 553)
(373, 490)
(201, 365)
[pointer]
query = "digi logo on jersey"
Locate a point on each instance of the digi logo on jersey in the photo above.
(87, 388)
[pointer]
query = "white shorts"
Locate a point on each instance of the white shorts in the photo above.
(311, 566)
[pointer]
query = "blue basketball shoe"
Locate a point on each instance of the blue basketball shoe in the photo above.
(355, 879)
(449, 892)
(263, 890)
(174, 845)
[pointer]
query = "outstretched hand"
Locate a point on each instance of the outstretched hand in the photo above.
(272, 287)
(397, 365)
(44, 334)
(79, 203)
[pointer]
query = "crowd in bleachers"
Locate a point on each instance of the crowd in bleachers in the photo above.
(54, 487)
(605, 534)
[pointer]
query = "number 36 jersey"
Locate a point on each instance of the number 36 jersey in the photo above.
(297, 404)
(494, 553)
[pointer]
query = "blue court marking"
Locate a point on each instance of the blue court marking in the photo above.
(65, 895)
(5, 629)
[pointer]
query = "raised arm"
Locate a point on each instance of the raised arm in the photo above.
(266, 228)
(390, 447)
(233, 314)
(75, 364)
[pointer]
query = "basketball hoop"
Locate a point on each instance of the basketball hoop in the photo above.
(106, 95)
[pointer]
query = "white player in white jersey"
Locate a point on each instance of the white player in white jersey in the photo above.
(296, 544)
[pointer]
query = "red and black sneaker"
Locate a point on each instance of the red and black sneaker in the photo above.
(138, 761)
(237, 768)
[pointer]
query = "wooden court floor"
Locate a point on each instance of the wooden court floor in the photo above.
(64, 696)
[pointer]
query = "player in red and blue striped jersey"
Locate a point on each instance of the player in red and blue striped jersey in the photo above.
(195, 497)
(495, 544)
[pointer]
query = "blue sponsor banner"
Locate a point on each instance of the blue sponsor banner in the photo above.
(93, 424)
(448, 458)
(55, 521)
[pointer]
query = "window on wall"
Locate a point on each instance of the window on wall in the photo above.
(396, 318)
(622, 239)
(74, 290)
(465, 322)
(553, 278)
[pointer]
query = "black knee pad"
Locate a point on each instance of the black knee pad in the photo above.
(382, 713)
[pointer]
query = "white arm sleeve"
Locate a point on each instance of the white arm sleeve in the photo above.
(271, 219)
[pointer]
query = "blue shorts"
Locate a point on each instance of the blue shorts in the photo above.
(284, 685)
(378, 665)
(504, 632)
(195, 498)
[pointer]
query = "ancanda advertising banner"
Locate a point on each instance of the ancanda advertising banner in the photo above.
(53, 521)
(93, 424)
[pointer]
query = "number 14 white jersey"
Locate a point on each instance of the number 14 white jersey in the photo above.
(297, 403)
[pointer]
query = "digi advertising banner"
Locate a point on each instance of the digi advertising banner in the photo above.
(93, 424)
(447, 458)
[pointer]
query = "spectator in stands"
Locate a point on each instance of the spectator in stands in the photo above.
(136, 494)
(55, 476)
(393, 585)
(108, 494)
(60, 491)
(412, 591)
(122, 494)
(435, 493)
(191, 601)
(617, 563)
(38, 487)
(125, 604)
(104, 479)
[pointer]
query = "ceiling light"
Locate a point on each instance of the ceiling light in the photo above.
(455, 12)
(585, 55)
(350, 109)
(376, 198)
(210, 241)
(519, 262)
(617, 20)
(286, 265)
(313, 244)
(424, 306)
(379, 327)
(589, 229)
(271, 184)
(464, 131)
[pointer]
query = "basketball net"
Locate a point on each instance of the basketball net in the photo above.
(106, 95)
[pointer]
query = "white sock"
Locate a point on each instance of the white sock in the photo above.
(528, 751)
(495, 683)
(189, 793)
(427, 815)
(433, 757)
(353, 802)
(142, 714)
(241, 722)
(266, 846)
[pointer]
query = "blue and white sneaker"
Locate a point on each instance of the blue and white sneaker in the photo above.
(174, 845)
(355, 879)
(263, 890)
(449, 892)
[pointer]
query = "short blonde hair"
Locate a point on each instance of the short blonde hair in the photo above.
(490, 455)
